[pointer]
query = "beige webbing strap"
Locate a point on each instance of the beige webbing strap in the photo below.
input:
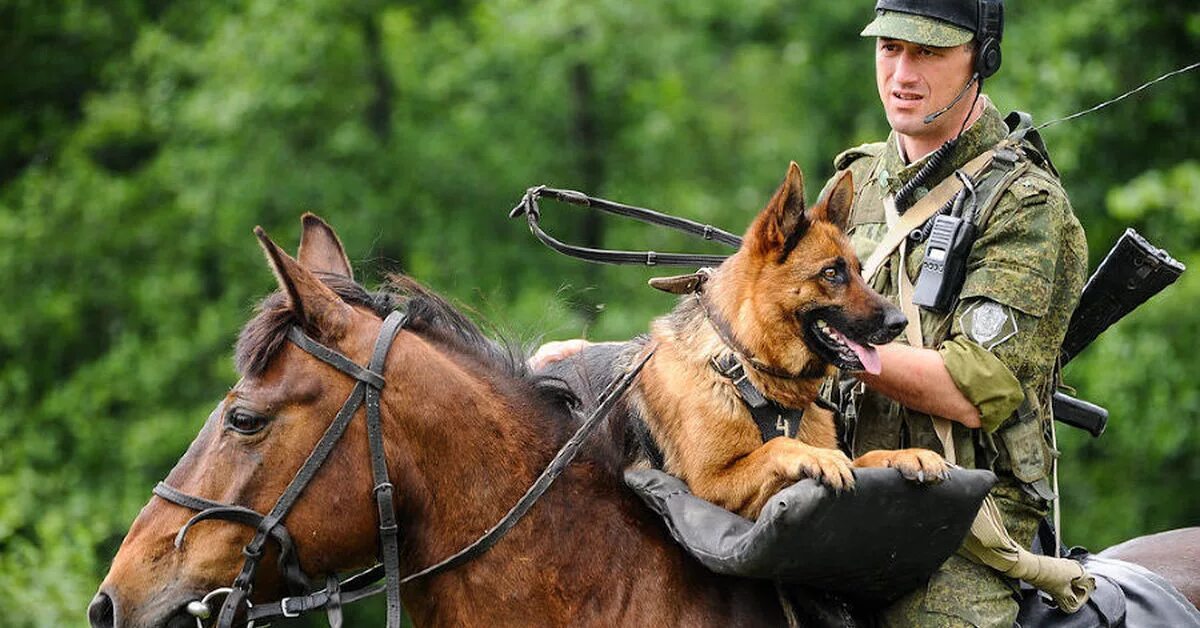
(988, 542)
(921, 211)
(943, 428)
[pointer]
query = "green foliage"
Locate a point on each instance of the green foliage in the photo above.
(142, 141)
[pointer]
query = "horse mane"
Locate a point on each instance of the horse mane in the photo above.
(438, 321)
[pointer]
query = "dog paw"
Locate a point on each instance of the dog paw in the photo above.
(917, 465)
(831, 467)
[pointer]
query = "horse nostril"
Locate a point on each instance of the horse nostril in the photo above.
(101, 611)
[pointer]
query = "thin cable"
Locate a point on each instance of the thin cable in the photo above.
(1119, 98)
(966, 118)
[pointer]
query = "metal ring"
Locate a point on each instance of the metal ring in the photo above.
(201, 610)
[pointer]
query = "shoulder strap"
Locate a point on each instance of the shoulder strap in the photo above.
(1008, 165)
(921, 211)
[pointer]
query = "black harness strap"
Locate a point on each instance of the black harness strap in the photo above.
(772, 418)
(532, 212)
(289, 564)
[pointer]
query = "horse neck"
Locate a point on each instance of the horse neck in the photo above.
(468, 457)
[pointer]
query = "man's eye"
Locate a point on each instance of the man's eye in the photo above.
(244, 422)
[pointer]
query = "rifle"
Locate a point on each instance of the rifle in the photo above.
(1133, 271)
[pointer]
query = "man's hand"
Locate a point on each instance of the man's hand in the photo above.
(552, 352)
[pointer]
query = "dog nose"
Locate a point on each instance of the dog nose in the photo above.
(101, 611)
(894, 321)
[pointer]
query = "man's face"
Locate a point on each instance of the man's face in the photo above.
(915, 81)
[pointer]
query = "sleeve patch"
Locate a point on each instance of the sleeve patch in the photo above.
(988, 323)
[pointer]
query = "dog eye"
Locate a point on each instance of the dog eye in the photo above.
(245, 422)
(833, 275)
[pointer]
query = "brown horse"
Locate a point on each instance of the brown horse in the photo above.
(467, 430)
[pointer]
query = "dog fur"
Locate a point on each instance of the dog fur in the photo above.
(794, 264)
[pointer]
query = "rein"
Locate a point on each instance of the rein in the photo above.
(529, 208)
(370, 383)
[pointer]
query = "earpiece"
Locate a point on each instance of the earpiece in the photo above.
(989, 34)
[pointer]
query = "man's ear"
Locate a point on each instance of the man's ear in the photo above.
(777, 229)
(836, 204)
(318, 308)
(320, 249)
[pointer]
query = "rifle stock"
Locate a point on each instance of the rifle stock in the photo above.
(1133, 271)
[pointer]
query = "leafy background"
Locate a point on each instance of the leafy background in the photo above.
(140, 142)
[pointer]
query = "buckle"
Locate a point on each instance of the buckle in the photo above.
(283, 608)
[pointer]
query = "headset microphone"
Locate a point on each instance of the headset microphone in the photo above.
(963, 92)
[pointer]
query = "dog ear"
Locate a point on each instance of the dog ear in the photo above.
(779, 227)
(316, 306)
(320, 249)
(836, 203)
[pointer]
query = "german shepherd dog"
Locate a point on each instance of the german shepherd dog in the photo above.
(789, 306)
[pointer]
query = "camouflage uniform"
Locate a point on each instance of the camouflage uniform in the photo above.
(999, 343)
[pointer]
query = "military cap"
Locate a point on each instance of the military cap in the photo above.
(938, 23)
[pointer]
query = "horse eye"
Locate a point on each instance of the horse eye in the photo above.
(244, 422)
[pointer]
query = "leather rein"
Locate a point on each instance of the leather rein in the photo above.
(370, 383)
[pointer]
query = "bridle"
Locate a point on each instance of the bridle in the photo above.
(369, 384)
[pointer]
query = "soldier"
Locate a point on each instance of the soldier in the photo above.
(988, 362)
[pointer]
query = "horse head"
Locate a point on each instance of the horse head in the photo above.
(438, 368)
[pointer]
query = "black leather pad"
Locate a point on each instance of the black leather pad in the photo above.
(871, 544)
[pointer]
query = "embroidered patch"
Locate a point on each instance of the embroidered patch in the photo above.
(988, 323)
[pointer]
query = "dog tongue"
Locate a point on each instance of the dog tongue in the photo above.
(867, 355)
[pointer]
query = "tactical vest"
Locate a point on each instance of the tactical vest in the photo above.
(1020, 446)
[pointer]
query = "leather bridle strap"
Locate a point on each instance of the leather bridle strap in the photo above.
(355, 588)
(532, 212)
(253, 551)
(289, 564)
(364, 584)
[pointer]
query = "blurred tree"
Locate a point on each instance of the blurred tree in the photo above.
(141, 142)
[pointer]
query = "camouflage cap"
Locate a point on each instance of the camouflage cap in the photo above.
(918, 29)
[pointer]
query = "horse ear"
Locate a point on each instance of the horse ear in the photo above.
(316, 306)
(320, 249)
(779, 227)
(836, 203)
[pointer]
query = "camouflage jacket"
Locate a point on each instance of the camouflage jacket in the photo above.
(1000, 341)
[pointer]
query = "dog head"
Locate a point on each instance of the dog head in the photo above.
(797, 284)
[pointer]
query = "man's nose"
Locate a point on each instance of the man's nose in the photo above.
(905, 70)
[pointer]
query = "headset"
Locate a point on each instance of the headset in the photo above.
(989, 33)
(989, 30)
